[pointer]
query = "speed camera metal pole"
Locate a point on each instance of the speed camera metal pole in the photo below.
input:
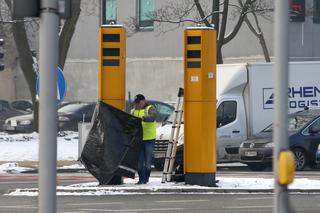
(281, 98)
(49, 22)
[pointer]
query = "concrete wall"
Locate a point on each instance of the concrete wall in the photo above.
(82, 80)
(156, 78)
(304, 41)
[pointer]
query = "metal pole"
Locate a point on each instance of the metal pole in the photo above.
(280, 127)
(49, 22)
(102, 12)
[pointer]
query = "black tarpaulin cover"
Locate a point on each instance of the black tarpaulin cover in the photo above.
(113, 144)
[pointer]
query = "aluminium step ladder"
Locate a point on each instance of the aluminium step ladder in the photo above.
(174, 137)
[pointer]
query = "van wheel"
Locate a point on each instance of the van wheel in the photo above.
(257, 166)
(300, 159)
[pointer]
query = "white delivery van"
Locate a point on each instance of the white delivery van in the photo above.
(245, 97)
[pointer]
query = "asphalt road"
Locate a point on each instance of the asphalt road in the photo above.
(186, 203)
(193, 203)
(14, 181)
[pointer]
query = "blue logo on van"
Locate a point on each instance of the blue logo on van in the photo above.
(268, 98)
(298, 97)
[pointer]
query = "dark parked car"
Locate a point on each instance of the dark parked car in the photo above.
(318, 155)
(69, 115)
(4, 105)
(304, 139)
(4, 115)
(22, 105)
(7, 112)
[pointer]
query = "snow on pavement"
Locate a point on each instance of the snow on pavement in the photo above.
(12, 168)
(224, 183)
(155, 186)
(24, 147)
(74, 166)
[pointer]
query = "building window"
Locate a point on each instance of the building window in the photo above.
(146, 9)
(109, 12)
(316, 11)
(298, 11)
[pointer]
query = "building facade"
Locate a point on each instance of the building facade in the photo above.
(155, 50)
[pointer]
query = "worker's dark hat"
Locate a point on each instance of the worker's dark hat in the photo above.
(138, 98)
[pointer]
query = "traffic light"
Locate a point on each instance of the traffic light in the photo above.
(1, 54)
(298, 11)
(32, 8)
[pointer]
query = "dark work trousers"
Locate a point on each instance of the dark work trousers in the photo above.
(145, 160)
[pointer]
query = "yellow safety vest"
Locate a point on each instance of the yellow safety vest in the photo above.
(148, 128)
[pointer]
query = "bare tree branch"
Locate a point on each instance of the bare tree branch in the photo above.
(195, 12)
(258, 33)
(222, 32)
(237, 27)
(67, 32)
(201, 13)
(25, 36)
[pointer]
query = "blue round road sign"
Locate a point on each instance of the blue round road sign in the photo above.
(61, 86)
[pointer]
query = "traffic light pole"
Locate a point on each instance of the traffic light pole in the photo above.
(49, 22)
(280, 124)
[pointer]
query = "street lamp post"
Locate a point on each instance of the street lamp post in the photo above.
(49, 22)
(280, 123)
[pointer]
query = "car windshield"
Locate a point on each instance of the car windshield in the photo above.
(268, 129)
(4, 105)
(171, 118)
(295, 122)
(298, 121)
(71, 108)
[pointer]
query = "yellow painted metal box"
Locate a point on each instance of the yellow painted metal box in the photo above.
(200, 64)
(200, 137)
(112, 65)
(200, 102)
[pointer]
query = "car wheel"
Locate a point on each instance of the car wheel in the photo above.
(300, 159)
(257, 166)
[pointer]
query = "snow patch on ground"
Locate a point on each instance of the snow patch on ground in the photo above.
(74, 166)
(24, 147)
(155, 186)
(237, 164)
(224, 183)
(12, 168)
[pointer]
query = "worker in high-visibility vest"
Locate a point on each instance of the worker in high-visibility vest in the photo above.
(148, 115)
